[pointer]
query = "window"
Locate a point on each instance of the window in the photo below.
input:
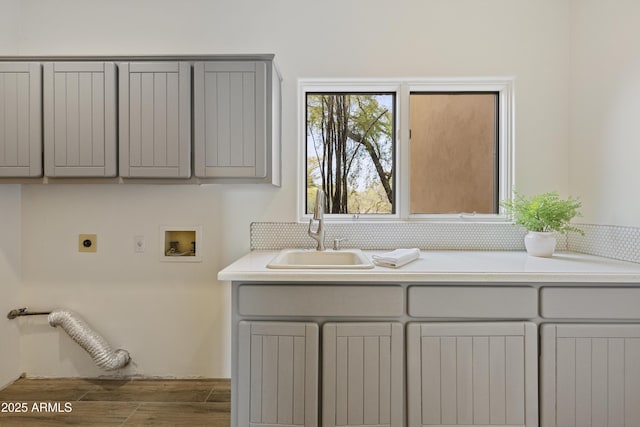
(420, 149)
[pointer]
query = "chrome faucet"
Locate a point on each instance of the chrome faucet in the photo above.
(318, 215)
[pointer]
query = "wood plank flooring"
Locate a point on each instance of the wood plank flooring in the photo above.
(98, 402)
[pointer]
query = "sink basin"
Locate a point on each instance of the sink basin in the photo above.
(312, 259)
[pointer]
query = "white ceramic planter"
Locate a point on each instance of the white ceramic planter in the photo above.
(540, 243)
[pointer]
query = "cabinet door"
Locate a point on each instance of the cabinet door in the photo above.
(362, 374)
(155, 119)
(278, 374)
(80, 119)
(590, 375)
(472, 374)
(230, 101)
(20, 119)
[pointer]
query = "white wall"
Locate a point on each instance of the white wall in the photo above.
(174, 319)
(9, 282)
(605, 109)
(9, 28)
(9, 227)
(171, 317)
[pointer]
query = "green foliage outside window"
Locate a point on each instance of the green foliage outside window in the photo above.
(350, 151)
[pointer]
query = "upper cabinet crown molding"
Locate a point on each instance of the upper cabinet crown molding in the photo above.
(140, 58)
(20, 119)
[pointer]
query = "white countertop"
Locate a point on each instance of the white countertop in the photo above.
(450, 266)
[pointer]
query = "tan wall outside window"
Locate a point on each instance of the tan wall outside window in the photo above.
(453, 153)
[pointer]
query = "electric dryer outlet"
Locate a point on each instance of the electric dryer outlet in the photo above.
(87, 242)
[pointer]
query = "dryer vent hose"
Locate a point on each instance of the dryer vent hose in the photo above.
(90, 340)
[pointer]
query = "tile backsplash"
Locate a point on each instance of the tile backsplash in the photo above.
(390, 235)
(609, 241)
(616, 242)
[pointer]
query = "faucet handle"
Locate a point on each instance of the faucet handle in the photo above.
(337, 243)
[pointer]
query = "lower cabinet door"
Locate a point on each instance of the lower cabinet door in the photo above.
(362, 374)
(590, 375)
(278, 374)
(472, 374)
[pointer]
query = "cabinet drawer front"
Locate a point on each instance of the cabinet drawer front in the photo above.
(473, 302)
(592, 303)
(316, 300)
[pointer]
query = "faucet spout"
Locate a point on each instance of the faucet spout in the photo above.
(317, 233)
(318, 210)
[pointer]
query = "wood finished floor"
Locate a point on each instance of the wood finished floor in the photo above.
(96, 402)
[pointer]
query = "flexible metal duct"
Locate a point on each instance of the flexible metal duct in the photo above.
(88, 339)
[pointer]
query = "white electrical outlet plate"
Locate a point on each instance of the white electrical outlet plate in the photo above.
(138, 244)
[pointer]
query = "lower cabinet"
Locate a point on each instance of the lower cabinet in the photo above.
(385, 370)
(278, 374)
(362, 371)
(362, 374)
(472, 374)
(590, 375)
(457, 374)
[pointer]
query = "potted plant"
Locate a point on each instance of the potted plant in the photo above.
(542, 215)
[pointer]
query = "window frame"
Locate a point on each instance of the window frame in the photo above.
(403, 88)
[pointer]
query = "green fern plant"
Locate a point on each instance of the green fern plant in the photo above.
(544, 212)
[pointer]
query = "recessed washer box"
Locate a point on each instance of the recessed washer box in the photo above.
(180, 243)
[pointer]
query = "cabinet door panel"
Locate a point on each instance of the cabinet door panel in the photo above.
(472, 374)
(80, 119)
(362, 374)
(590, 375)
(230, 119)
(20, 119)
(278, 374)
(155, 120)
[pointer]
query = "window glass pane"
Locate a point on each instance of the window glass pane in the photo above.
(453, 153)
(350, 151)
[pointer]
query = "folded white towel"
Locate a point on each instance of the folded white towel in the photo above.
(396, 258)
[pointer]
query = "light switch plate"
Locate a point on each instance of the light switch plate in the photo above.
(138, 244)
(87, 242)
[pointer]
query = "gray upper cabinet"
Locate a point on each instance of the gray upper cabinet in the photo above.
(155, 119)
(20, 119)
(80, 119)
(146, 117)
(236, 116)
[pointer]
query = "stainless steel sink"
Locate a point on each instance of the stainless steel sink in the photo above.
(312, 259)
